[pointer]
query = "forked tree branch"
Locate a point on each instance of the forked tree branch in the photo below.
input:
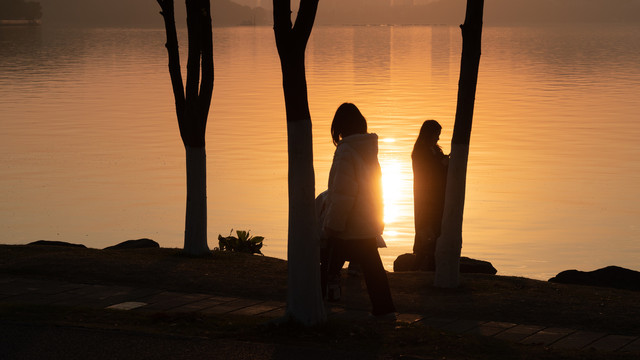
(282, 26)
(194, 100)
(296, 36)
(291, 43)
(174, 55)
(193, 61)
(206, 45)
(304, 21)
(469, 64)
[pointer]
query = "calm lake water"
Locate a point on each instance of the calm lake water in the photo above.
(90, 151)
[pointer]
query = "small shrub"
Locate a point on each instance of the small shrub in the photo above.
(244, 242)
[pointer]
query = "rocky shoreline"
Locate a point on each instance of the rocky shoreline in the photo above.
(610, 276)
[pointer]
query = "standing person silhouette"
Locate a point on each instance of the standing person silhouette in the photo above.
(353, 219)
(429, 181)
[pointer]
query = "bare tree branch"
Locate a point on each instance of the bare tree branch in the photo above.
(304, 21)
(193, 61)
(282, 25)
(291, 44)
(206, 85)
(471, 49)
(174, 55)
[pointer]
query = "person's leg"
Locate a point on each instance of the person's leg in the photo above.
(375, 277)
(336, 258)
(354, 269)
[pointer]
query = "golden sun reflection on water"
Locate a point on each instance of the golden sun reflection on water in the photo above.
(392, 190)
(397, 188)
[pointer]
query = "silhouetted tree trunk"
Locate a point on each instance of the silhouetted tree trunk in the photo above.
(449, 244)
(192, 110)
(304, 296)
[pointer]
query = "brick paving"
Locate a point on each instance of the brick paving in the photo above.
(547, 336)
(31, 291)
(578, 340)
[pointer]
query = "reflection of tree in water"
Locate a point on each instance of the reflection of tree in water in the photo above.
(20, 10)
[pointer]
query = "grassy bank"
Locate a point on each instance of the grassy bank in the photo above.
(480, 297)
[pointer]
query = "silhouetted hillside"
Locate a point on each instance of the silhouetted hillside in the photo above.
(20, 10)
(140, 13)
(561, 11)
(144, 13)
(496, 11)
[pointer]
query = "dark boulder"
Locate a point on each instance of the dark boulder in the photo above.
(468, 265)
(405, 262)
(610, 276)
(55, 243)
(135, 244)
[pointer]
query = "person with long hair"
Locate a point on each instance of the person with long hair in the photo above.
(353, 218)
(429, 181)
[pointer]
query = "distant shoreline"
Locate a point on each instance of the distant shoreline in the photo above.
(19, 22)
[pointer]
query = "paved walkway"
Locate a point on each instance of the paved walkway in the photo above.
(125, 298)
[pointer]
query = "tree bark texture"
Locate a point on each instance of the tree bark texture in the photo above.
(192, 110)
(304, 295)
(449, 244)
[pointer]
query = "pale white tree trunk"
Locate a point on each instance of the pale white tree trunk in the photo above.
(449, 244)
(195, 233)
(304, 295)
